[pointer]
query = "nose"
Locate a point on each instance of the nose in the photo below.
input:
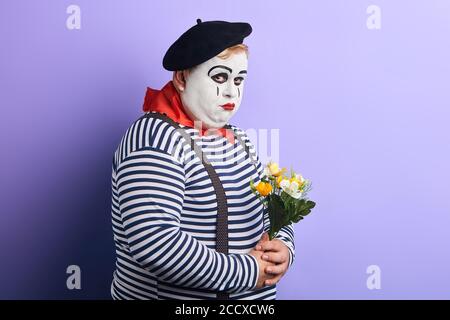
(230, 90)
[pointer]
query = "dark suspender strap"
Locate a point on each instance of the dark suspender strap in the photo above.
(222, 208)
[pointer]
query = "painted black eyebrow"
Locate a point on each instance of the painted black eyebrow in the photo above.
(220, 66)
(243, 71)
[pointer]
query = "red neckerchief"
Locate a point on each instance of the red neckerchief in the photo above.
(168, 101)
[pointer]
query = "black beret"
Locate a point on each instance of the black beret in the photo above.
(204, 41)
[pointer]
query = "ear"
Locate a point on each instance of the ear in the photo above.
(179, 80)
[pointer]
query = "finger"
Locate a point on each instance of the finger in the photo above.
(264, 237)
(275, 257)
(279, 269)
(270, 282)
(270, 246)
(273, 245)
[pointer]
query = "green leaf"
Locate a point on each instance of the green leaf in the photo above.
(284, 209)
(277, 213)
(303, 208)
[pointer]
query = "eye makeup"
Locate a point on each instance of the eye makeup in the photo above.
(220, 77)
(238, 80)
(220, 66)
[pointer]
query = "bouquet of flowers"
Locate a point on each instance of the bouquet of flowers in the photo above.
(285, 197)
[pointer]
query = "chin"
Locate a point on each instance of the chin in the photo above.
(215, 125)
(217, 121)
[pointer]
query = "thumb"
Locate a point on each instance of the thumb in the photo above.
(264, 237)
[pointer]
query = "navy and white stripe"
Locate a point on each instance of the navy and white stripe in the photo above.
(164, 216)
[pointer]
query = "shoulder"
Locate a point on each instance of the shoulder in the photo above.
(150, 132)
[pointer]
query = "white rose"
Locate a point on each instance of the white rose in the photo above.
(284, 184)
(299, 178)
(291, 188)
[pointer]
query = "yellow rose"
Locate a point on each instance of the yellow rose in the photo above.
(264, 188)
(279, 178)
(275, 169)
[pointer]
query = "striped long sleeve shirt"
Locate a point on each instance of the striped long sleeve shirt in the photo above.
(164, 216)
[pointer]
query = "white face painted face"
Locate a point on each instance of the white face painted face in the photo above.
(214, 88)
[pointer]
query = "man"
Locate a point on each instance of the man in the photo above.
(186, 224)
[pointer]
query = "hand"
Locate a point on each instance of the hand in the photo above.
(276, 252)
(262, 264)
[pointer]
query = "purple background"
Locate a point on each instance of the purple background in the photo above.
(362, 113)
